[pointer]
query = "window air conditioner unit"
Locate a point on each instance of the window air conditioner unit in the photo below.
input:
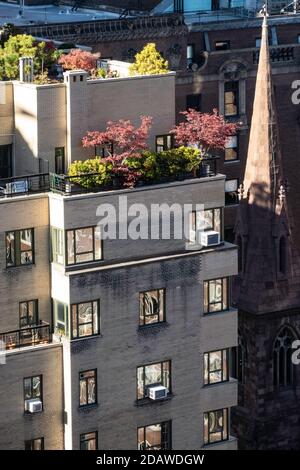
(34, 405)
(157, 392)
(208, 238)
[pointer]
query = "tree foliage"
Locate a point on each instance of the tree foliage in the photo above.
(123, 141)
(23, 45)
(78, 59)
(149, 62)
(203, 130)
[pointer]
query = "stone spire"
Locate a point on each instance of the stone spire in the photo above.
(262, 230)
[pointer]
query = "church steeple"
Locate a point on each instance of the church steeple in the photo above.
(261, 167)
(262, 228)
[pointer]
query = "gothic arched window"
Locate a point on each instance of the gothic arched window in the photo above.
(283, 368)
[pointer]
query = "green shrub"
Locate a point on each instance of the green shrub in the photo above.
(97, 165)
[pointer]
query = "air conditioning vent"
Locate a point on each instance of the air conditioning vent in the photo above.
(208, 238)
(157, 392)
(34, 405)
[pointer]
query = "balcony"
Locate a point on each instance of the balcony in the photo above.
(23, 185)
(31, 336)
(277, 54)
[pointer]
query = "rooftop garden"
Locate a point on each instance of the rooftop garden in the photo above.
(122, 158)
(49, 60)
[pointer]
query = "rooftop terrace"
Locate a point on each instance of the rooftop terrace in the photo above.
(10, 13)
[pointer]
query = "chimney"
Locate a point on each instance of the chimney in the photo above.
(26, 69)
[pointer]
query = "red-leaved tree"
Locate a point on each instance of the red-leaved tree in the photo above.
(206, 131)
(77, 59)
(122, 141)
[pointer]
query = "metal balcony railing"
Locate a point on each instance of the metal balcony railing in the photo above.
(27, 184)
(30, 336)
(87, 183)
(277, 54)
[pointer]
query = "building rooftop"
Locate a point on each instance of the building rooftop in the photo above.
(10, 13)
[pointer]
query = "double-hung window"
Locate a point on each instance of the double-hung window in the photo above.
(29, 314)
(153, 375)
(19, 247)
(35, 444)
(215, 426)
(84, 245)
(85, 319)
(33, 389)
(216, 295)
(89, 441)
(152, 307)
(155, 436)
(215, 367)
(88, 387)
(209, 219)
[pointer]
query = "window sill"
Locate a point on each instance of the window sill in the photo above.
(82, 338)
(231, 380)
(148, 401)
(226, 162)
(20, 266)
(152, 328)
(235, 204)
(87, 408)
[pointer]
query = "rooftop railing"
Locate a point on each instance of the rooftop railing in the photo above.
(22, 185)
(24, 337)
(85, 183)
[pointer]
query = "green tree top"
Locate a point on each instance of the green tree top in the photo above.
(23, 45)
(149, 62)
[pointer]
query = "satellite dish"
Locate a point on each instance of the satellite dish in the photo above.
(194, 67)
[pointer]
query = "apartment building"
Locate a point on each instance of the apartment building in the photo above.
(109, 343)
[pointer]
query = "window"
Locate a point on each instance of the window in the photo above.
(216, 367)
(231, 149)
(84, 245)
(35, 444)
(216, 295)
(209, 219)
(59, 160)
(282, 255)
(85, 319)
(298, 39)
(194, 102)
(257, 42)
(5, 161)
(153, 374)
(229, 234)
(61, 317)
(57, 242)
(231, 192)
(215, 426)
(164, 142)
(190, 55)
(231, 98)
(89, 441)
(152, 307)
(88, 387)
(19, 247)
(155, 437)
(28, 311)
(222, 45)
(283, 368)
(104, 150)
(33, 389)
